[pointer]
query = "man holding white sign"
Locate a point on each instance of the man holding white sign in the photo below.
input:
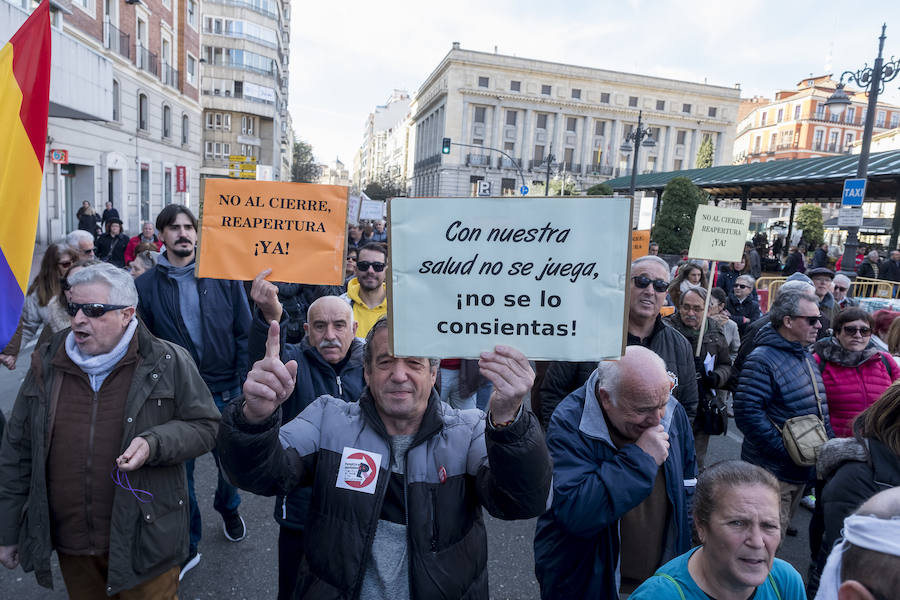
(400, 464)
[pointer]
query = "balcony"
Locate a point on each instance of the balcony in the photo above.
(256, 7)
(571, 168)
(116, 41)
(505, 163)
(477, 160)
(169, 76)
(604, 170)
(146, 60)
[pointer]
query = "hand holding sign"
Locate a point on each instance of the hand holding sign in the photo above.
(270, 382)
(512, 376)
(265, 295)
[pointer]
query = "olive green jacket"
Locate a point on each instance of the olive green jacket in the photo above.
(169, 405)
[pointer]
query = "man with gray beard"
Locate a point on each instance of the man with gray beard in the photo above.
(329, 362)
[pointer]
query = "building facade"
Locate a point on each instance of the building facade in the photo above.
(383, 154)
(334, 173)
(124, 122)
(797, 124)
(531, 109)
(244, 85)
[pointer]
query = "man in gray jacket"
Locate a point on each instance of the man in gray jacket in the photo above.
(104, 398)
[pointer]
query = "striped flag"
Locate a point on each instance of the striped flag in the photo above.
(24, 104)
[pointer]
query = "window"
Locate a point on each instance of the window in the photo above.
(763, 117)
(191, 70)
(185, 129)
(192, 13)
(756, 144)
(209, 120)
(660, 105)
(208, 150)
(479, 114)
(879, 118)
(848, 140)
(477, 142)
(895, 120)
(677, 164)
(820, 111)
(712, 112)
(509, 147)
(226, 122)
(515, 86)
(576, 93)
(680, 137)
(779, 116)
(115, 100)
(832, 141)
(599, 127)
(569, 156)
(538, 154)
(218, 120)
(166, 121)
(570, 124)
(483, 82)
(604, 97)
(511, 117)
(818, 139)
(542, 121)
(773, 141)
(686, 108)
(797, 112)
(143, 111)
(632, 101)
(545, 90)
(247, 125)
(851, 112)
(507, 187)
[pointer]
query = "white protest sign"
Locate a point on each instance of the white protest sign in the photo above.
(544, 275)
(353, 210)
(371, 209)
(719, 233)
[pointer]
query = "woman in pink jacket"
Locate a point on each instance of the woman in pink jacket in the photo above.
(855, 372)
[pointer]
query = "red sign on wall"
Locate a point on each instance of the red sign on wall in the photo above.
(60, 157)
(180, 179)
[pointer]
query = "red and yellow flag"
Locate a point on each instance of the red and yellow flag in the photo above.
(24, 104)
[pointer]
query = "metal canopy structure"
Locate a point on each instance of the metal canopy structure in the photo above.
(817, 179)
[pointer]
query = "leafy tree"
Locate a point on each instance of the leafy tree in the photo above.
(705, 153)
(600, 189)
(809, 219)
(304, 168)
(537, 189)
(675, 222)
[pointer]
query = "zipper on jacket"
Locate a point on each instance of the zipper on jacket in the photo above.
(409, 545)
(434, 522)
(340, 388)
(88, 497)
(284, 508)
(373, 525)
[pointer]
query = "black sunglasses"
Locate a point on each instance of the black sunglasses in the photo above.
(742, 286)
(838, 288)
(363, 265)
(92, 309)
(863, 331)
(642, 281)
(809, 319)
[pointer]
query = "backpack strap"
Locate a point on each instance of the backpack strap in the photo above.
(774, 586)
(678, 585)
(887, 365)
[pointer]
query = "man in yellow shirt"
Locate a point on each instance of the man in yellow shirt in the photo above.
(366, 292)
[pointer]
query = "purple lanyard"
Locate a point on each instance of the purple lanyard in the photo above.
(120, 478)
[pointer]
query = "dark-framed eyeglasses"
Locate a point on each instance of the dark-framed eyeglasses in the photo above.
(812, 320)
(863, 331)
(742, 286)
(92, 309)
(642, 281)
(363, 265)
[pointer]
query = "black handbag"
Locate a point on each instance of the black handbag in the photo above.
(712, 418)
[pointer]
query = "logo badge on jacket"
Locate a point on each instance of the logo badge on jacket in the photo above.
(442, 474)
(358, 470)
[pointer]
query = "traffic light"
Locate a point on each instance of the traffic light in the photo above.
(445, 147)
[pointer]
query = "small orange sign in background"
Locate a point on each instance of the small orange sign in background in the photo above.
(640, 243)
(298, 230)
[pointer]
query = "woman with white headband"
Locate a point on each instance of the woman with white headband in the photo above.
(737, 518)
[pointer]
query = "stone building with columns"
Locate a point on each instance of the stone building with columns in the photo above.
(531, 109)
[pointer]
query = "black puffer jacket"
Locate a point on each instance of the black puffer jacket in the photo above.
(454, 467)
(563, 378)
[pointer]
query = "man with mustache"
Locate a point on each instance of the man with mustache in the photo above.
(211, 319)
(329, 362)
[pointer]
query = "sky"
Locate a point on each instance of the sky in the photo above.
(347, 57)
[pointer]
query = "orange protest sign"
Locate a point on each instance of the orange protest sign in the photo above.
(296, 229)
(640, 243)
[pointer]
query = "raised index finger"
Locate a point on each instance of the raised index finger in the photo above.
(273, 341)
(262, 275)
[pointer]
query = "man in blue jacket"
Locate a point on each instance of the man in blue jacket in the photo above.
(329, 362)
(210, 319)
(780, 381)
(623, 476)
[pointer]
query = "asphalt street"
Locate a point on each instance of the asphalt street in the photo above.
(248, 569)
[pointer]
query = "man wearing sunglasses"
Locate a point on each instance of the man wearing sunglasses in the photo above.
(742, 307)
(106, 397)
(842, 290)
(649, 284)
(366, 293)
(780, 381)
(83, 242)
(211, 319)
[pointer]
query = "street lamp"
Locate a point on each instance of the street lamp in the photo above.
(634, 137)
(872, 79)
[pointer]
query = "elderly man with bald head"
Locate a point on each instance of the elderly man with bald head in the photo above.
(329, 362)
(623, 475)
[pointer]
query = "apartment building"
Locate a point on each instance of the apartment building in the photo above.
(383, 152)
(334, 173)
(532, 109)
(797, 124)
(124, 122)
(244, 84)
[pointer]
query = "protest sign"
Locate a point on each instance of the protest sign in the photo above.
(544, 275)
(296, 229)
(640, 243)
(353, 210)
(719, 233)
(372, 210)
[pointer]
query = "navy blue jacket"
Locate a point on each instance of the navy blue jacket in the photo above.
(775, 385)
(576, 545)
(748, 308)
(226, 322)
(315, 377)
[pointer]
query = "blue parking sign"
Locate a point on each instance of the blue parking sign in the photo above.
(854, 192)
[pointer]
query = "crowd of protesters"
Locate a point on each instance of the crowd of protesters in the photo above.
(141, 367)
